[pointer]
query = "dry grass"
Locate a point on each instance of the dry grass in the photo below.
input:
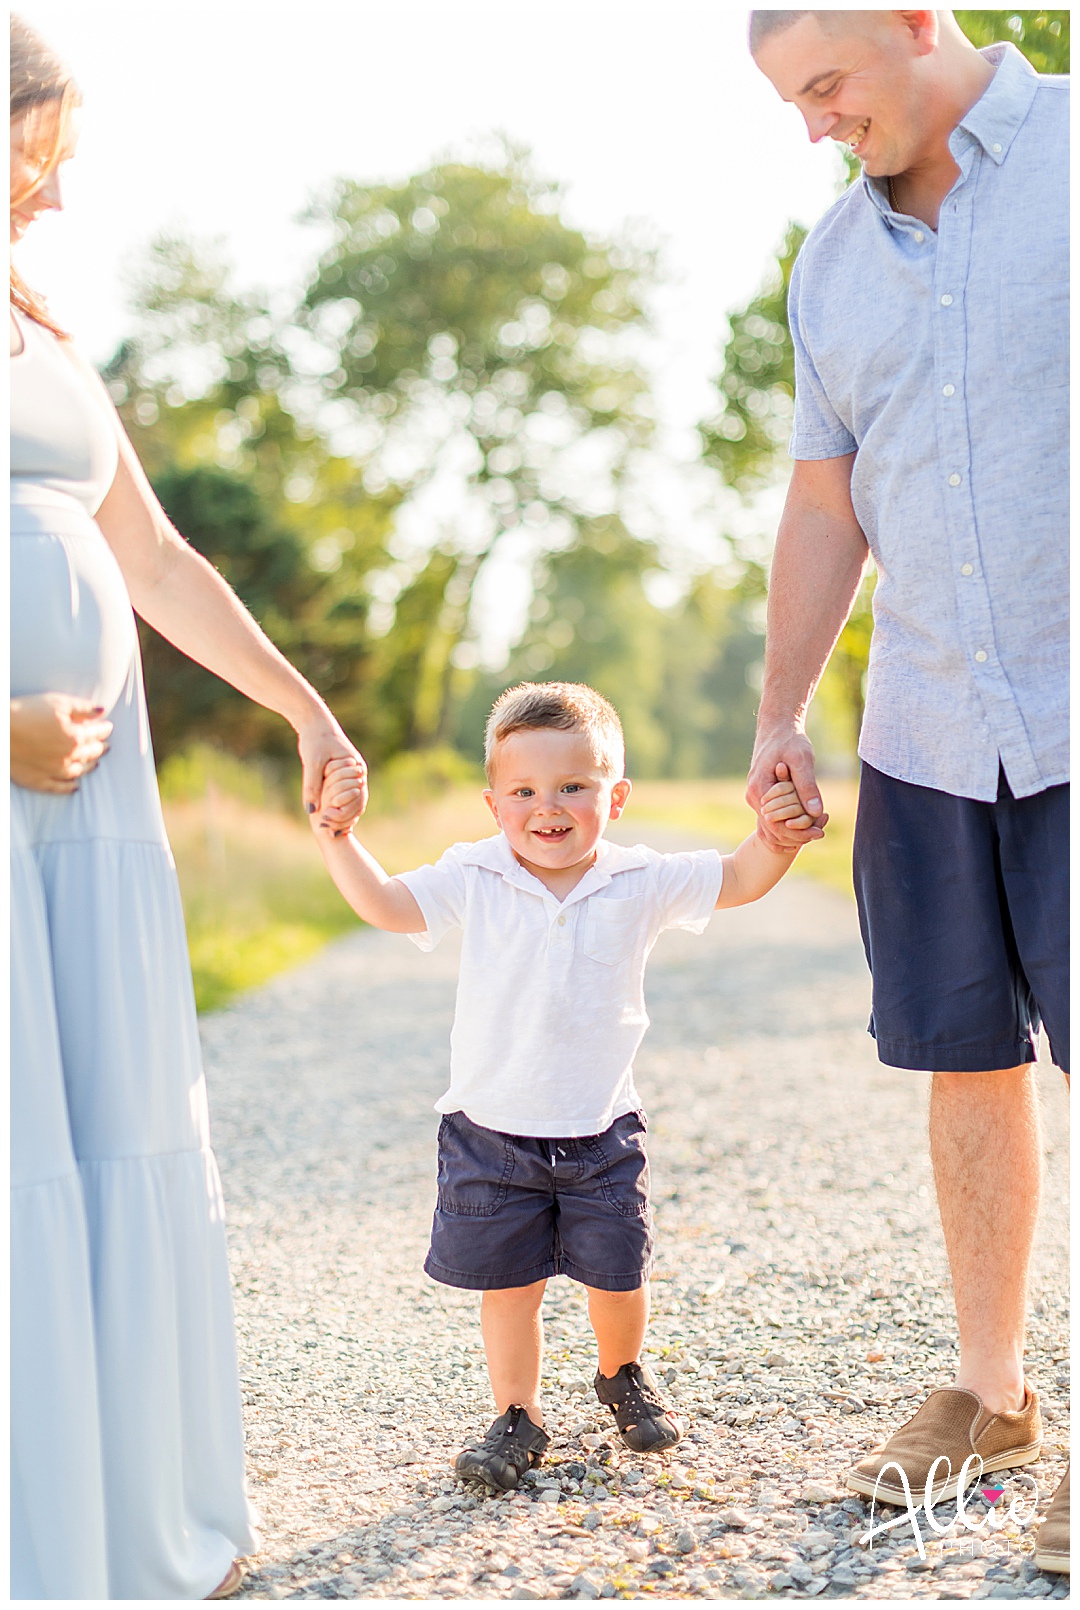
(256, 895)
(257, 898)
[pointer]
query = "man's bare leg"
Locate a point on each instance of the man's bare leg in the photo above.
(987, 1156)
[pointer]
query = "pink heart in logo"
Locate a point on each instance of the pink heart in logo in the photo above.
(992, 1494)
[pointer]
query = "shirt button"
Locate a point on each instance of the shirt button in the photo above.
(996, 150)
(954, 480)
(946, 300)
(968, 570)
(562, 920)
(947, 391)
(980, 655)
(918, 237)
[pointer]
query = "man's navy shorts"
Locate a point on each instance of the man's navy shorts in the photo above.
(964, 908)
(517, 1208)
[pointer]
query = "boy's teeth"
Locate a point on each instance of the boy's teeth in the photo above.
(857, 134)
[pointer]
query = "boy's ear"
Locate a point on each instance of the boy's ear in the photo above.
(619, 796)
(489, 795)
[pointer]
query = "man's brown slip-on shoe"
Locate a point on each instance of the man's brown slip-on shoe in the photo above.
(1052, 1543)
(952, 1424)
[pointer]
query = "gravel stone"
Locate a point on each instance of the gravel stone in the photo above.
(797, 1241)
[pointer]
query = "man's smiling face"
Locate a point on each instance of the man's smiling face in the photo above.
(855, 80)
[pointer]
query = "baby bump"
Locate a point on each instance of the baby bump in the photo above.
(72, 627)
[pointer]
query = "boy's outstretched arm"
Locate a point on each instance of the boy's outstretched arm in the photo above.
(373, 894)
(756, 866)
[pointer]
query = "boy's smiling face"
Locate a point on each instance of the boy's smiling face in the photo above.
(553, 798)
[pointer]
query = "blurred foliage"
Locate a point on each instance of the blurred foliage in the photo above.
(1043, 36)
(470, 327)
(681, 677)
(746, 439)
(460, 371)
(303, 609)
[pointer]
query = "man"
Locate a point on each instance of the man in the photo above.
(928, 312)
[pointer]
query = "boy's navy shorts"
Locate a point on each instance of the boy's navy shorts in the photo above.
(517, 1208)
(964, 908)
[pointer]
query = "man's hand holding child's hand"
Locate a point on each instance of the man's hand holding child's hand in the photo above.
(342, 792)
(780, 805)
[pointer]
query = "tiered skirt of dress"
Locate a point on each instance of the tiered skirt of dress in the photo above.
(126, 1434)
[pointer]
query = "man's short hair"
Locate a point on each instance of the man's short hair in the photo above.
(564, 706)
(763, 24)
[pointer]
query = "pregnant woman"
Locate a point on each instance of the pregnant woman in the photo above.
(127, 1448)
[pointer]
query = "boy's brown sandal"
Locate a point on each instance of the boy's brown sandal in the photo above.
(646, 1423)
(512, 1446)
(1052, 1543)
(952, 1424)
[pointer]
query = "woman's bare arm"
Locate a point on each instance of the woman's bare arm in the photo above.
(182, 596)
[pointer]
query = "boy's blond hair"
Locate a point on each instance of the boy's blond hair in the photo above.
(565, 706)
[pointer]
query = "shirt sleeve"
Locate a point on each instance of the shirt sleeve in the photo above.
(818, 431)
(439, 891)
(689, 887)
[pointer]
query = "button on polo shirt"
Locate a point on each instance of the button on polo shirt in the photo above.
(551, 1002)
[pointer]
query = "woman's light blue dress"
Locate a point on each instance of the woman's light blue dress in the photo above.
(126, 1437)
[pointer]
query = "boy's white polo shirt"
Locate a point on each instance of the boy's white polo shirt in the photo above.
(551, 997)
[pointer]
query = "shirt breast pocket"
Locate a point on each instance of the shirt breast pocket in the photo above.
(1035, 333)
(611, 930)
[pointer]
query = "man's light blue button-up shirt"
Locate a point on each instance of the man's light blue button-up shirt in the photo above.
(941, 360)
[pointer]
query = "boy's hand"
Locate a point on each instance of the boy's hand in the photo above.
(343, 797)
(782, 805)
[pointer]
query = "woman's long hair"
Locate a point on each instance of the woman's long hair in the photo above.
(43, 92)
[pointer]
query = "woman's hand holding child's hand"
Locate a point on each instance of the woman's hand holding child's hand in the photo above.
(342, 801)
(782, 804)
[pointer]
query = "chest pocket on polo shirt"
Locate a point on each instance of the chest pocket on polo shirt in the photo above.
(611, 929)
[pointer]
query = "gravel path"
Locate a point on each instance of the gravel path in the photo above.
(800, 1303)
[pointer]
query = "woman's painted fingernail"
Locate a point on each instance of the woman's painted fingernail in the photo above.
(311, 809)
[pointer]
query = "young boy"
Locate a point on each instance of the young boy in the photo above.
(542, 1165)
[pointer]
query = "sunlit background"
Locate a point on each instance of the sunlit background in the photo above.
(455, 335)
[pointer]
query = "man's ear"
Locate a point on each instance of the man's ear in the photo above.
(923, 28)
(619, 796)
(494, 809)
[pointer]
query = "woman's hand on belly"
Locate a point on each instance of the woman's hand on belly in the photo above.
(55, 740)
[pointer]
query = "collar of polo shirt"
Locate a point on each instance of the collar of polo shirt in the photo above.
(496, 855)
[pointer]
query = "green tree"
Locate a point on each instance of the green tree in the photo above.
(460, 372)
(1043, 36)
(681, 676)
(747, 438)
(298, 605)
(591, 621)
(478, 344)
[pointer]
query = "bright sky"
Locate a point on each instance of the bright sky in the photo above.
(222, 118)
